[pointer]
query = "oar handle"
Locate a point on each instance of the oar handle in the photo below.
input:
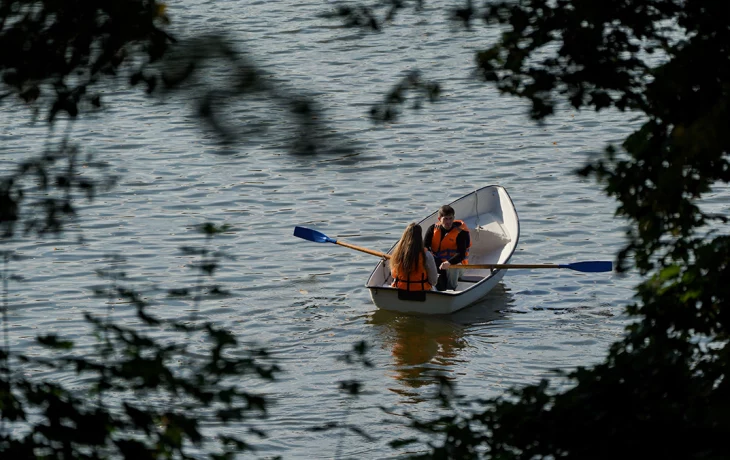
(365, 250)
(593, 266)
(500, 266)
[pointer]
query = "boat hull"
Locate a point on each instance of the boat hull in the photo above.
(494, 229)
(436, 303)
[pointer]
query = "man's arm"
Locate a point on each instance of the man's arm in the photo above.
(428, 238)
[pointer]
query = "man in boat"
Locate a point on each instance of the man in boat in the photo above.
(449, 241)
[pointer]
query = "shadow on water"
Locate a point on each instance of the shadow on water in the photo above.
(424, 347)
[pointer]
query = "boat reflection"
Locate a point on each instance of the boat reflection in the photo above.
(425, 347)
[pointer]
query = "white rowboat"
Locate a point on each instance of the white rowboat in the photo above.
(494, 229)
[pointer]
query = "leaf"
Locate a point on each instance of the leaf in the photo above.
(52, 341)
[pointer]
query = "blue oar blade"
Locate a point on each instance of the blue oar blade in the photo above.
(312, 235)
(591, 266)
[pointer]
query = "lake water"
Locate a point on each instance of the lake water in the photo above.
(307, 302)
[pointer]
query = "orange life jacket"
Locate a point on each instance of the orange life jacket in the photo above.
(417, 279)
(446, 248)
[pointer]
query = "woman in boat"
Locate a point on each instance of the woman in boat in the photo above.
(411, 265)
(449, 241)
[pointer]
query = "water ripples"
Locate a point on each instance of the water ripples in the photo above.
(304, 301)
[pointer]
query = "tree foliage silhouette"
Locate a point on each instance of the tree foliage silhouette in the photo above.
(668, 60)
(136, 395)
(662, 391)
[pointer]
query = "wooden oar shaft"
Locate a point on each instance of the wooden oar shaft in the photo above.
(500, 266)
(365, 250)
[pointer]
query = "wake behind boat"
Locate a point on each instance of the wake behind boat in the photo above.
(494, 229)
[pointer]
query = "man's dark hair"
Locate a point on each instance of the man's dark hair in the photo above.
(446, 210)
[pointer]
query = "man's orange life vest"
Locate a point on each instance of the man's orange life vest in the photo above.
(446, 248)
(417, 279)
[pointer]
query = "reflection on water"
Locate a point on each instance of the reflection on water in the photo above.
(424, 347)
(493, 306)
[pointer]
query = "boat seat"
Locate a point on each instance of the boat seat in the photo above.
(470, 278)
